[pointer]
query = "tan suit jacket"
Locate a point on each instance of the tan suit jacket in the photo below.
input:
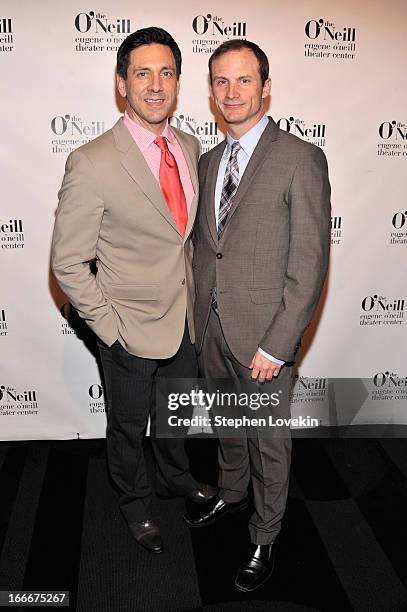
(271, 260)
(111, 210)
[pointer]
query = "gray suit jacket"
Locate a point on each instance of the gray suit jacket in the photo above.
(111, 209)
(270, 263)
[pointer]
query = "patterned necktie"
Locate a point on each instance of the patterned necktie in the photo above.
(171, 185)
(230, 185)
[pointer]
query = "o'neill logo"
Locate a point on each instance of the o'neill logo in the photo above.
(214, 30)
(389, 380)
(309, 390)
(3, 322)
(14, 402)
(103, 33)
(380, 310)
(312, 384)
(12, 234)
(393, 139)
(329, 41)
(389, 386)
(313, 132)
(399, 223)
(6, 35)
(206, 131)
(336, 230)
(97, 404)
(72, 131)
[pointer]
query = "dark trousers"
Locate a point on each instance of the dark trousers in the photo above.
(260, 458)
(130, 389)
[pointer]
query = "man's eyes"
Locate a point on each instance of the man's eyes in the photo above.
(145, 74)
(223, 82)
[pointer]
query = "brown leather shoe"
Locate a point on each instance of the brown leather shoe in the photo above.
(203, 493)
(148, 535)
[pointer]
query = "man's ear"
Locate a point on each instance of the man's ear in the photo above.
(266, 89)
(121, 85)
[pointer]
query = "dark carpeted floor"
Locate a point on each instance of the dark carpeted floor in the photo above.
(343, 545)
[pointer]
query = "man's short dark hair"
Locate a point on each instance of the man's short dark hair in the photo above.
(146, 36)
(236, 44)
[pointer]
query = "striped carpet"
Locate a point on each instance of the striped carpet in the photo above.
(343, 545)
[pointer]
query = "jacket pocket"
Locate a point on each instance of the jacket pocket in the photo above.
(134, 292)
(266, 296)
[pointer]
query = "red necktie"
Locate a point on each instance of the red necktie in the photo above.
(171, 185)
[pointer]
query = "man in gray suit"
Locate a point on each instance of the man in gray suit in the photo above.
(261, 255)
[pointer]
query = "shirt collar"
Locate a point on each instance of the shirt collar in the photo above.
(249, 141)
(145, 138)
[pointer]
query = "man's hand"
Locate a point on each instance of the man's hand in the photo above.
(262, 368)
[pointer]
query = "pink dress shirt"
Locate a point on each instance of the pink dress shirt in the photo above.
(144, 139)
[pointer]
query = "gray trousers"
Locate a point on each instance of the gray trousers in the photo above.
(261, 457)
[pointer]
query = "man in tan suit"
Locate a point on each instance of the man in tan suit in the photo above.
(128, 201)
(261, 253)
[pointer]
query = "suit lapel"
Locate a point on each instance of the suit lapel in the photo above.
(263, 148)
(134, 163)
(210, 187)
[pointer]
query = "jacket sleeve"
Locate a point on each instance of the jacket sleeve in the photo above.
(310, 229)
(74, 244)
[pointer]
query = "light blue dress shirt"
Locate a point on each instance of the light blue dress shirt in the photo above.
(248, 143)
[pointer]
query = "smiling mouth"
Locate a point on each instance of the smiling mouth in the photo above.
(154, 101)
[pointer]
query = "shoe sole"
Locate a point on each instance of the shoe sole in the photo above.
(245, 590)
(216, 519)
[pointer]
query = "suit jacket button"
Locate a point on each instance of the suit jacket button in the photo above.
(183, 281)
(219, 255)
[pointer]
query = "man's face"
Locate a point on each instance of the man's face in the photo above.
(151, 86)
(237, 90)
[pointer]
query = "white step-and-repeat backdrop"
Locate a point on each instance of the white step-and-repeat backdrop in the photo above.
(338, 71)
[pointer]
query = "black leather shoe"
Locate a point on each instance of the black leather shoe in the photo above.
(213, 510)
(204, 493)
(257, 568)
(148, 535)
